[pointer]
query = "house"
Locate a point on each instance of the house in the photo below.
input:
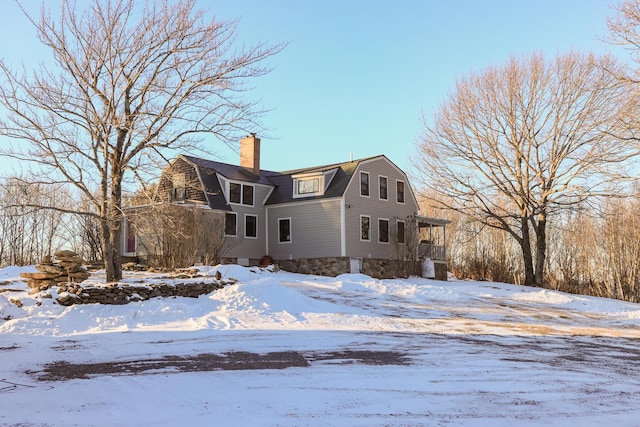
(356, 216)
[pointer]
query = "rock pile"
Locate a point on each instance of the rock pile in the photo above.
(66, 267)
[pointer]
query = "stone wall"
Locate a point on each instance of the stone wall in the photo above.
(75, 293)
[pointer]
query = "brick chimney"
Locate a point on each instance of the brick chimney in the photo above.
(250, 153)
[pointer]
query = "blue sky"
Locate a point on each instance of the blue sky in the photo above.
(358, 75)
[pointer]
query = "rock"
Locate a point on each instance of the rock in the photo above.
(79, 275)
(65, 254)
(129, 266)
(67, 267)
(50, 268)
(37, 276)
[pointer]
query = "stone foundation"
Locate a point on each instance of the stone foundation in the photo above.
(389, 268)
(319, 266)
(377, 268)
(441, 271)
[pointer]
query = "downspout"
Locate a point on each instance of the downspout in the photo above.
(266, 231)
(343, 234)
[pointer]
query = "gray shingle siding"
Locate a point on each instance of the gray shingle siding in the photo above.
(324, 225)
(315, 229)
(375, 208)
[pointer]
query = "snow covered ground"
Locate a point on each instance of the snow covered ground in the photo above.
(283, 349)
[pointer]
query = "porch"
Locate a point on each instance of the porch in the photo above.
(432, 235)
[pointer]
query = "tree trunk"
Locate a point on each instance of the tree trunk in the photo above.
(112, 261)
(527, 255)
(107, 250)
(541, 249)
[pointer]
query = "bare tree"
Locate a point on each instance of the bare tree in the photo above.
(515, 144)
(30, 222)
(170, 235)
(127, 85)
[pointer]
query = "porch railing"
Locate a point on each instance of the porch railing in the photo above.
(429, 250)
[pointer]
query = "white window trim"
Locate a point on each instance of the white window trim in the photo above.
(379, 186)
(225, 225)
(404, 192)
(242, 185)
(361, 239)
(320, 192)
(290, 231)
(245, 226)
(360, 183)
(388, 231)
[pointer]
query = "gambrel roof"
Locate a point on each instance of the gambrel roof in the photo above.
(339, 174)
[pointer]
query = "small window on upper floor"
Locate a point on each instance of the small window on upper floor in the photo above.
(179, 191)
(364, 184)
(241, 193)
(305, 187)
(400, 191)
(247, 195)
(382, 181)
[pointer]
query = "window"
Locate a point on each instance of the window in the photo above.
(365, 225)
(230, 224)
(178, 194)
(234, 192)
(400, 191)
(251, 226)
(178, 181)
(247, 195)
(308, 186)
(383, 187)
(364, 184)
(383, 230)
(400, 233)
(241, 193)
(284, 228)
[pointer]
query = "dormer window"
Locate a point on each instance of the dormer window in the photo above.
(312, 183)
(308, 185)
(241, 194)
